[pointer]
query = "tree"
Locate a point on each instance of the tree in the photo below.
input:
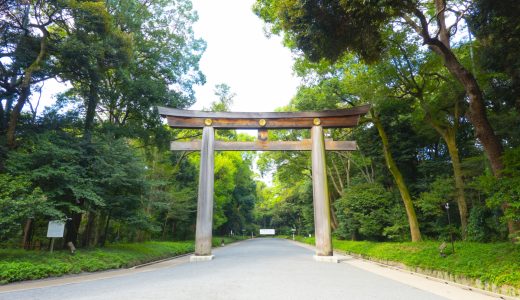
(327, 29)
(225, 98)
(441, 103)
(19, 201)
(368, 211)
(506, 189)
(116, 171)
(51, 161)
(94, 47)
(366, 84)
(162, 68)
(25, 47)
(496, 26)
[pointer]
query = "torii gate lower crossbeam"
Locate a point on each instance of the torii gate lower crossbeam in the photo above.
(315, 121)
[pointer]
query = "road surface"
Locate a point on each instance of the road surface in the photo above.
(254, 269)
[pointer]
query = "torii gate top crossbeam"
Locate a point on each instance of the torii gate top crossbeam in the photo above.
(339, 118)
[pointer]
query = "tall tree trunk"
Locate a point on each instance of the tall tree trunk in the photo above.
(333, 218)
(477, 109)
(399, 180)
(105, 232)
(478, 117)
(348, 173)
(98, 228)
(91, 105)
(25, 88)
(165, 228)
(92, 102)
(449, 135)
(450, 140)
(27, 233)
(89, 229)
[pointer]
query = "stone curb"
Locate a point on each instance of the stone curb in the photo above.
(159, 261)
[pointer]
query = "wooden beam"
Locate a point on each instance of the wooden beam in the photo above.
(272, 123)
(167, 111)
(338, 118)
(303, 145)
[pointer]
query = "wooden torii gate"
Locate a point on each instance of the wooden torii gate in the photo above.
(315, 121)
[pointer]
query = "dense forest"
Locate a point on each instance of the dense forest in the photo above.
(442, 136)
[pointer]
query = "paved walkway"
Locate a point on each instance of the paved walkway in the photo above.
(253, 269)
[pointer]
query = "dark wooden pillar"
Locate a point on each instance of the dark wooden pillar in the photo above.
(320, 193)
(203, 234)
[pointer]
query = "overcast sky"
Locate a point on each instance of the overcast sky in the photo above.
(258, 69)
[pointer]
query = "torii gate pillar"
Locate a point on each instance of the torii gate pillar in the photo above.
(320, 195)
(203, 232)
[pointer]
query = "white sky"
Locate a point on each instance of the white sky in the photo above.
(258, 69)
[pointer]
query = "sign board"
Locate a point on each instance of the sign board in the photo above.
(56, 229)
(267, 232)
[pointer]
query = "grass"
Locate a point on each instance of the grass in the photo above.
(18, 265)
(495, 263)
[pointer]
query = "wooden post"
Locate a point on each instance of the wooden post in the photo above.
(203, 234)
(320, 194)
(263, 135)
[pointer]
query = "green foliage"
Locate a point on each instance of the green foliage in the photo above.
(497, 30)
(225, 98)
(54, 162)
(496, 26)
(99, 155)
(163, 66)
(17, 265)
(327, 29)
(368, 211)
(19, 202)
(497, 263)
(432, 203)
(505, 189)
(482, 225)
